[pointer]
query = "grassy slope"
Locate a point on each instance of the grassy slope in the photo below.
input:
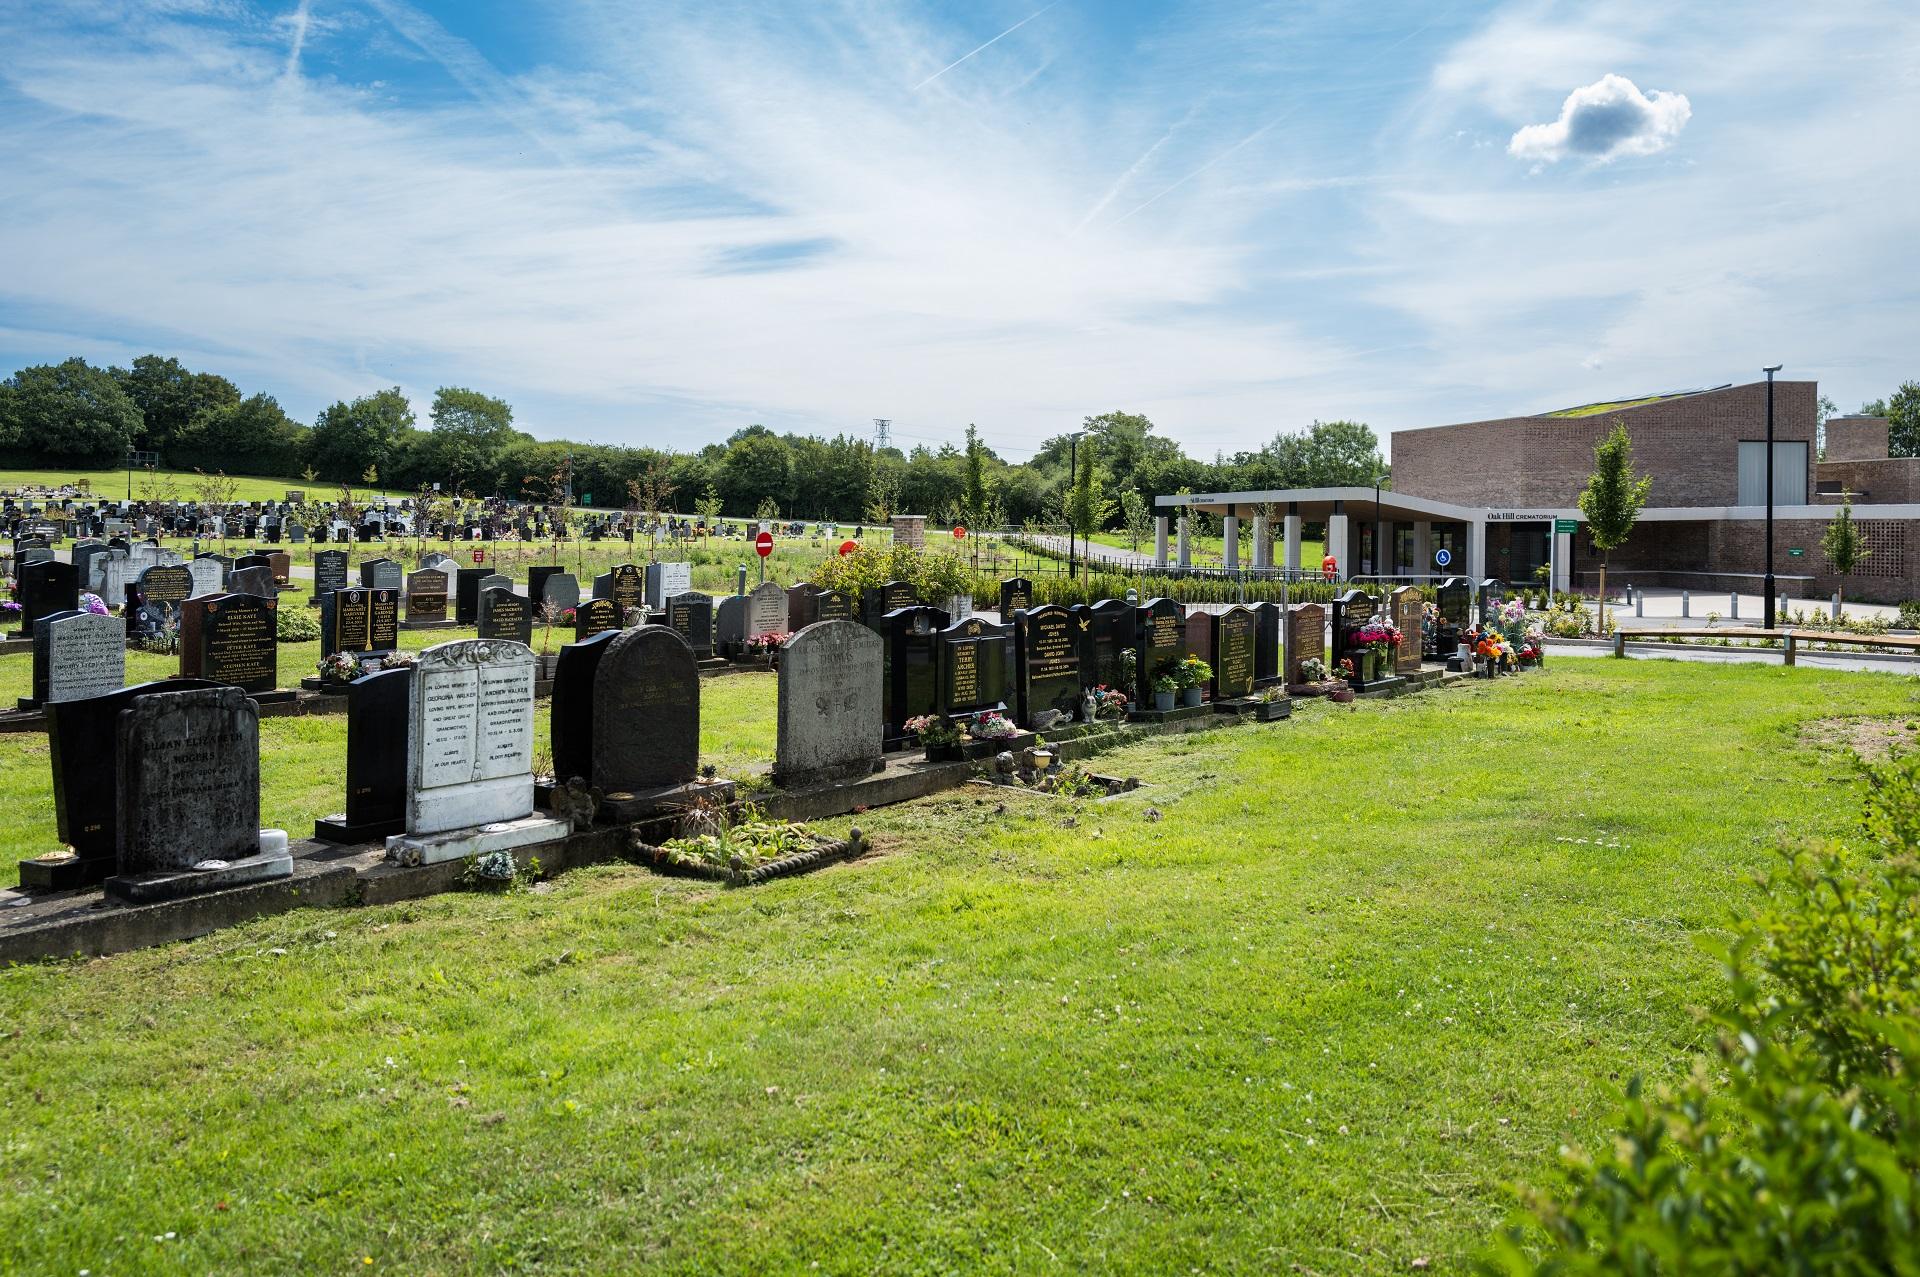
(1314, 1019)
(180, 485)
(1213, 549)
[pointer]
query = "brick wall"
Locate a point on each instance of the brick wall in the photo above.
(1883, 482)
(1856, 438)
(1689, 446)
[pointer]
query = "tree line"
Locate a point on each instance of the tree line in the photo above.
(74, 414)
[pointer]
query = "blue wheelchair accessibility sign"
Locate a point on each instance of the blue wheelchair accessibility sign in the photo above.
(1442, 557)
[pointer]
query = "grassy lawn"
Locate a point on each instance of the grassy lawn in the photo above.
(1308, 1002)
(177, 485)
(1213, 550)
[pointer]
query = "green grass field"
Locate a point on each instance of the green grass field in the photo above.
(1309, 1002)
(1212, 551)
(177, 485)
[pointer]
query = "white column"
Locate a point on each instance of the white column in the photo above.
(1262, 545)
(1337, 542)
(1563, 561)
(1422, 546)
(1230, 535)
(1160, 540)
(1185, 555)
(1477, 551)
(1290, 530)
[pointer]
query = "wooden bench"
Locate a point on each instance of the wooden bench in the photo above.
(1789, 639)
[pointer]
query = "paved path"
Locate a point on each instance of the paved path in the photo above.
(1661, 606)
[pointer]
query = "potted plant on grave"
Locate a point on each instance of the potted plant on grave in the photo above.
(337, 669)
(1193, 676)
(1165, 688)
(938, 737)
(1340, 687)
(1105, 702)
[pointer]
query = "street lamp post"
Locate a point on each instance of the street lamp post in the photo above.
(1073, 480)
(1767, 607)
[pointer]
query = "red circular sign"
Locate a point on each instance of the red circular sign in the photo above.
(764, 544)
(848, 547)
(479, 556)
(959, 533)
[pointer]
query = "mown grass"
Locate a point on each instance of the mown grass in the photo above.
(179, 485)
(1309, 1002)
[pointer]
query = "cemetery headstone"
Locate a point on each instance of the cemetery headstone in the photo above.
(1234, 645)
(1049, 664)
(188, 796)
(255, 581)
(377, 707)
(208, 577)
(829, 705)
(329, 573)
(570, 709)
(505, 615)
(730, 624)
(690, 615)
(624, 585)
(1306, 635)
(1016, 595)
(381, 574)
(470, 755)
(646, 715)
(595, 616)
(46, 588)
(1199, 636)
(1268, 618)
(665, 580)
(832, 605)
(766, 609)
(426, 598)
(876, 604)
(1408, 607)
(346, 617)
(911, 679)
(1161, 645)
(975, 662)
(76, 655)
(231, 639)
(1111, 630)
(802, 606)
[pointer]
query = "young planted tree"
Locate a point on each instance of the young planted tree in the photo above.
(1086, 505)
(1135, 513)
(1843, 544)
(1612, 501)
(708, 508)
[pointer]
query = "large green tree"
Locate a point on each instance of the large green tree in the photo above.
(170, 396)
(249, 436)
(70, 413)
(1903, 421)
(369, 431)
(758, 467)
(470, 436)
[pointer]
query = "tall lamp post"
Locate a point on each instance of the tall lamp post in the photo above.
(1073, 480)
(1767, 607)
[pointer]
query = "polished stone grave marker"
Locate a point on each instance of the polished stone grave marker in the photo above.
(505, 615)
(427, 599)
(1234, 644)
(911, 682)
(257, 581)
(381, 574)
(377, 708)
(75, 655)
(625, 585)
(570, 708)
(1016, 595)
(690, 615)
(1049, 656)
(665, 580)
(975, 657)
(209, 577)
(730, 624)
(1408, 607)
(595, 616)
(231, 639)
(766, 610)
(329, 574)
(43, 589)
(1306, 634)
(1161, 645)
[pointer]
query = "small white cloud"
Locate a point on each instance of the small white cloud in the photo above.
(1604, 120)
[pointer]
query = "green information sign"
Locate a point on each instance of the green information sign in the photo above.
(1566, 525)
(1794, 554)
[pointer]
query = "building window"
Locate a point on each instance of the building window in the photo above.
(1789, 472)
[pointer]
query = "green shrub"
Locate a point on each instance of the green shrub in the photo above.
(295, 625)
(1910, 615)
(1798, 1150)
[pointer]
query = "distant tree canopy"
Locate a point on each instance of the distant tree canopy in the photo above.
(74, 414)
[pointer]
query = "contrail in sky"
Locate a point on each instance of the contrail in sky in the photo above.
(963, 57)
(300, 19)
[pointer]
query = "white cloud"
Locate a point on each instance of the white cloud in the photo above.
(1605, 120)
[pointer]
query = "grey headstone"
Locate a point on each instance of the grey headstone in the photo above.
(829, 704)
(730, 623)
(562, 590)
(189, 771)
(470, 736)
(208, 577)
(254, 581)
(766, 609)
(86, 655)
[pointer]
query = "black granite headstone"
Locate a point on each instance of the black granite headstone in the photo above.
(231, 639)
(1049, 663)
(912, 670)
(570, 722)
(646, 713)
(505, 615)
(976, 656)
(1234, 648)
(377, 708)
(1160, 646)
(595, 616)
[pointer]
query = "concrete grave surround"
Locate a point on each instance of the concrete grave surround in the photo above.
(829, 704)
(470, 754)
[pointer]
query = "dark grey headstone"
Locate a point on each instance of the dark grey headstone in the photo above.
(505, 615)
(570, 712)
(189, 780)
(646, 713)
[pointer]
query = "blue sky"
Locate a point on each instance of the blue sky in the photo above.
(653, 223)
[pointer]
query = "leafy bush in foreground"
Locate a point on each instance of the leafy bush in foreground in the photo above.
(1800, 1151)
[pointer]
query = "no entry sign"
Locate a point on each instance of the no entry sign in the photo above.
(764, 544)
(848, 547)
(959, 533)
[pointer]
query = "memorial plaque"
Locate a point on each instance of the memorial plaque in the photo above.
(1016, 595)
(1161, 645)
(231, 639)
(426, 596)
(570, 708)
(646, 713)
(329, 572)
(595, 616)
(829, 705)
(665, 581)
(1049, 665)
(76, 655)
(1234, 645)
(690, 615)
(505, 615)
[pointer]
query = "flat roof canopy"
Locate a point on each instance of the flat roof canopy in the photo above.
(1316, 504)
